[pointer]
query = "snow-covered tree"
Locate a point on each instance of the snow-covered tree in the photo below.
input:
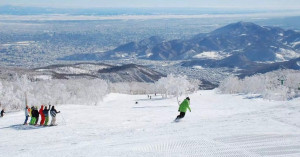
(84, 91)
(276, 85)
(77, 91)
(230, 85)
(175, 85)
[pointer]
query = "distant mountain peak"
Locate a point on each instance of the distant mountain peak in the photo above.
(244, 24)
(247, 24)
(239, 27)
(156, 38)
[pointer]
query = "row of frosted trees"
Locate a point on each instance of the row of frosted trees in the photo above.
(276, 85)
(84, 91)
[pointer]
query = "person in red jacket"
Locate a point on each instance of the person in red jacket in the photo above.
(42, 115)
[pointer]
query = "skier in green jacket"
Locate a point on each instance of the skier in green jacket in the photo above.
(183, 108)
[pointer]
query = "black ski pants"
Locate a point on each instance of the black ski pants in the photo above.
(181, 115)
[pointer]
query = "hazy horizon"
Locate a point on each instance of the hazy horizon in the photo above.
(225, 4)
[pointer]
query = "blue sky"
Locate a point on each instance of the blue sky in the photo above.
(242, 4)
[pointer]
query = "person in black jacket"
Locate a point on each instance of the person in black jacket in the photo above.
(2, 112)
(53, 113)
(46, 113)
(36, 115)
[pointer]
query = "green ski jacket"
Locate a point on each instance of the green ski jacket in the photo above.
(184, 106)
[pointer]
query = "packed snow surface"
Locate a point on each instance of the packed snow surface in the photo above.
(219, 125)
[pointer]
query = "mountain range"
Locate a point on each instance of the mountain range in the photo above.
(251, 41)
(112, 73)
(242, 66)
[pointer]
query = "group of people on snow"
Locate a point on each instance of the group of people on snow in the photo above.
(34, 113)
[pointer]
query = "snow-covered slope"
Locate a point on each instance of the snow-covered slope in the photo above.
(219, 125)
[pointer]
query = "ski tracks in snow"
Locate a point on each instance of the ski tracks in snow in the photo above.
(218, 126)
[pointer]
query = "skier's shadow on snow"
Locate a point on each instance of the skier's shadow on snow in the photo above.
(24, 127)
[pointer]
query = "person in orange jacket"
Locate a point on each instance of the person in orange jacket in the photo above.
(42, 115)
